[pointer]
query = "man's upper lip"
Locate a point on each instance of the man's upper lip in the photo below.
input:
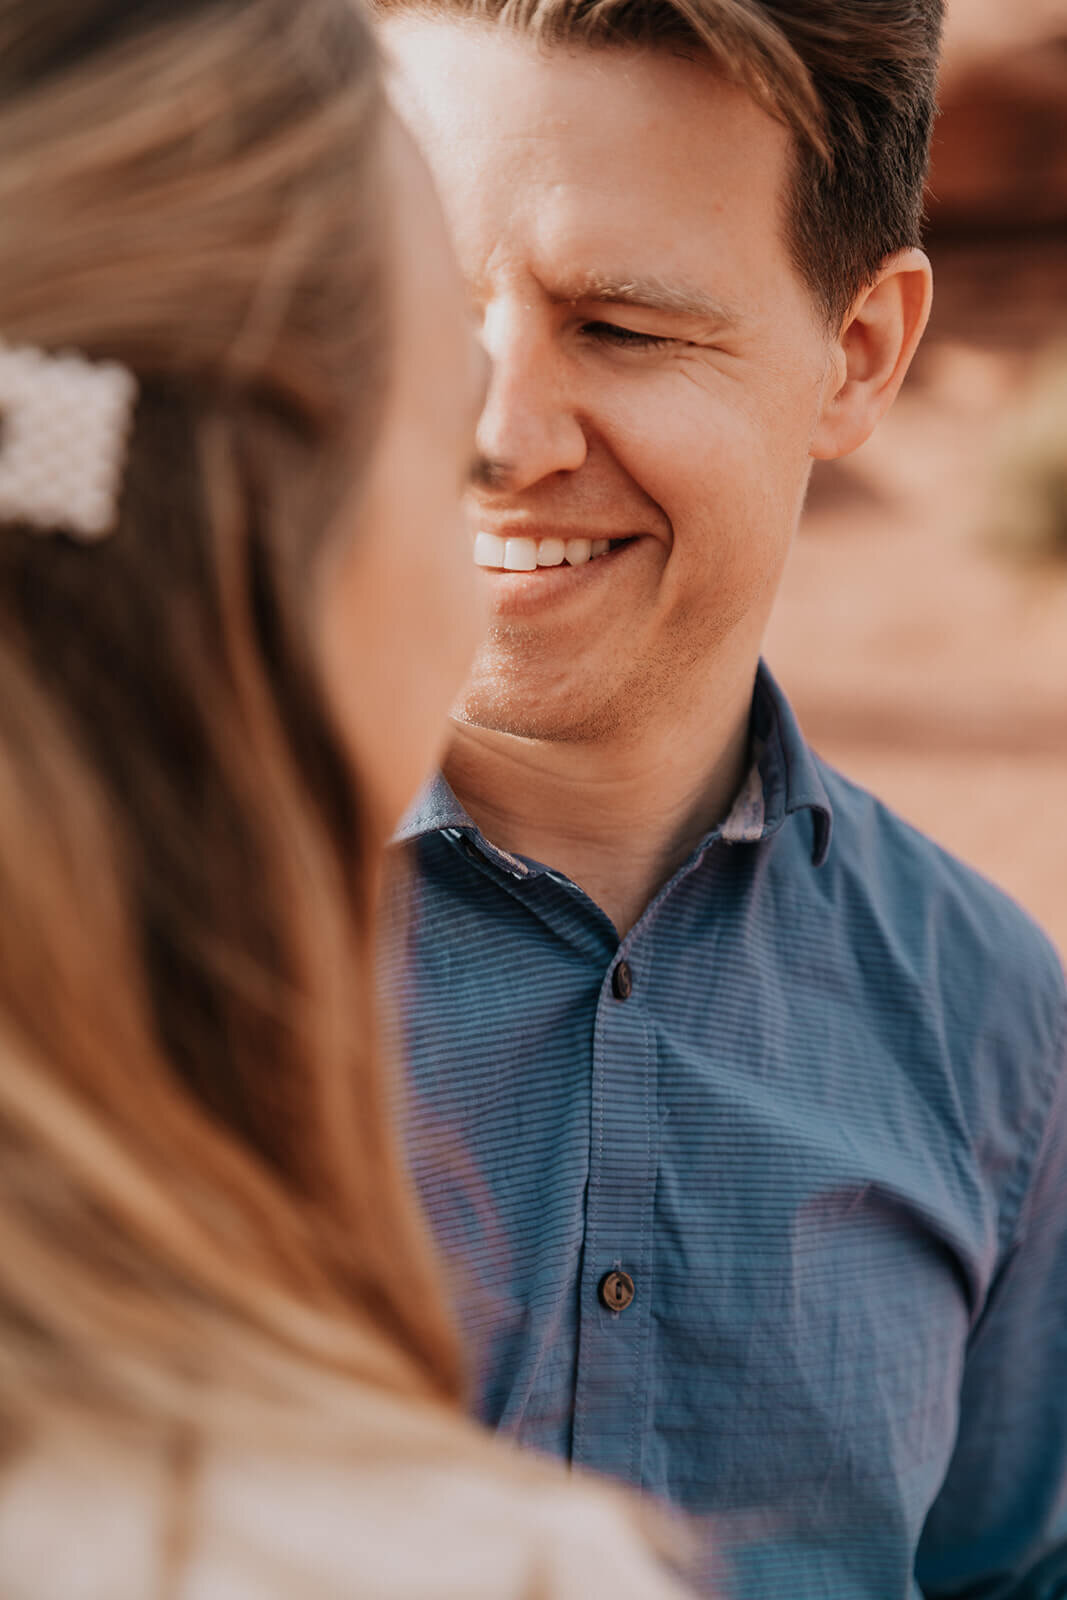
(548, 530)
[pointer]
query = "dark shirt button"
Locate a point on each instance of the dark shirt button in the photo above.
(616, 1290)
(622, 981)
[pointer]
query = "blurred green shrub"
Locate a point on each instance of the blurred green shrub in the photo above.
(1029, 511)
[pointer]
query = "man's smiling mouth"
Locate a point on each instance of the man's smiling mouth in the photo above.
(526, 555)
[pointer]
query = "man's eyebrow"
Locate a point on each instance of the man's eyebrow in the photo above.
(650, 294)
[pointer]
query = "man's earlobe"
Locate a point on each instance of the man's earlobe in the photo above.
(873, 351)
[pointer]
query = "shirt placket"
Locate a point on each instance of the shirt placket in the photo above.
(616, 1280)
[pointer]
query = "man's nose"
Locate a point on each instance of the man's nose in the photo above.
(531, 427)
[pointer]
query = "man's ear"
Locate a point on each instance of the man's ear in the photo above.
(872, 352)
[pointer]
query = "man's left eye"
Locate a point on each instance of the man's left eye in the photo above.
(612, 333)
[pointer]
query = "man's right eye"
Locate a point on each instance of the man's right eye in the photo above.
(629, 338)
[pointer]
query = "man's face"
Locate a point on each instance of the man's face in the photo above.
(659, 366)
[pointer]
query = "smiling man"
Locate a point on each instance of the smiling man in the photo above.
(762, 1202)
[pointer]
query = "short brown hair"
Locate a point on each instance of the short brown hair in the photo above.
(854, 80)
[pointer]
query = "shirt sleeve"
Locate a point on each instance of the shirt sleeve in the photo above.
(998, 1529)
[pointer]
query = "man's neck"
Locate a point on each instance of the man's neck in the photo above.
(619, 816)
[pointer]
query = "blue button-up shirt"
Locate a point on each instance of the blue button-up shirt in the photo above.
(826, 1136)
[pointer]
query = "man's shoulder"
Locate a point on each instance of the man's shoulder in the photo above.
(929, 901)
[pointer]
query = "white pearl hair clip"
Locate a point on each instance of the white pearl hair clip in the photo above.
(64, 423)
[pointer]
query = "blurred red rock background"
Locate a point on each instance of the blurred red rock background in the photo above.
(922, 627)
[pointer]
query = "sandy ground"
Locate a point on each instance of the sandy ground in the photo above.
(924, 660)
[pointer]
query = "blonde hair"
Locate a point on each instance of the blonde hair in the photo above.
(203, 1214)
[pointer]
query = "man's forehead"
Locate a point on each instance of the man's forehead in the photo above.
(455, 60)
(614, 176)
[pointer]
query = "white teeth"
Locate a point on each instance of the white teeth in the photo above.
(488, 550)
(526, 555)
(520, 555)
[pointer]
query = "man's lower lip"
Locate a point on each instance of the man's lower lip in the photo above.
(521, 591)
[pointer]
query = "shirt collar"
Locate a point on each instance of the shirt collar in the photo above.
(791, 780)
(436, 810)
(783, 780)
(433, 810)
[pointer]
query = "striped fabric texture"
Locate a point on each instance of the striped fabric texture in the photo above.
(822, 1130)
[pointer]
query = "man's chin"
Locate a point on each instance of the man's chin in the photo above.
(533, 715)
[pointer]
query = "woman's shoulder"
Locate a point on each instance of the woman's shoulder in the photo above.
(439, 1530)
(85, 1522)
(81, 1519)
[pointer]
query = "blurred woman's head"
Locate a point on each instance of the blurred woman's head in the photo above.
(196, 1182)
(402, 608)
